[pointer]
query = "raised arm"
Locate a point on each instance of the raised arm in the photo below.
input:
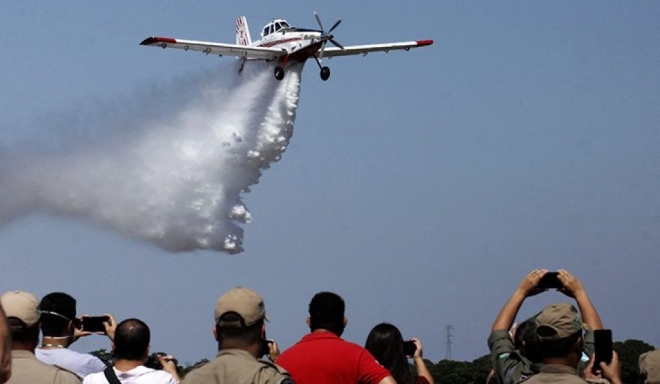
(422, 370)
(572, 287)
(527, 287)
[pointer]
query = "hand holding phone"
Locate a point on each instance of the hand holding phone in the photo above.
(550, 280)
(603, 348)
(94, 323)
(409, 348)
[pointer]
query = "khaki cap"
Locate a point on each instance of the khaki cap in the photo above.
(21, 305)
(649, 366)
(242, 301)
(562, 318)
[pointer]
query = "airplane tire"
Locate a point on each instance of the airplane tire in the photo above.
(325, 73)
(279, 72)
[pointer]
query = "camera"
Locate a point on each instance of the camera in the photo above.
(153, 362)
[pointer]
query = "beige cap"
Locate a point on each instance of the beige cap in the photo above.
(244, 302)
(21, 305)
(649, 366)
(563, 320)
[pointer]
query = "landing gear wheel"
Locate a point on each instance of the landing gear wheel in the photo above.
(279, 72)
(325, 73)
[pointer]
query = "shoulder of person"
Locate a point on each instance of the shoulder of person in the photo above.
(282, 376)
(64, 375)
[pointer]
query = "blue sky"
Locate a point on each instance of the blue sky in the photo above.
(421, 186)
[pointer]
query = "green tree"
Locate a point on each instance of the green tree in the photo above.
(629, 352)
(105, 356)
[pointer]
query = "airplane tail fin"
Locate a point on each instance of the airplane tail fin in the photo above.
(242, 32)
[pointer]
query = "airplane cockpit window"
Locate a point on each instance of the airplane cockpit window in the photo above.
(274, 27)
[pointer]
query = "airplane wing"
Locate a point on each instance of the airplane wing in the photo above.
(364, 49)
(242, 51)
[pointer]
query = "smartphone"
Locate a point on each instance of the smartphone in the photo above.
(550, 280)
(265, 347)
(409, 348)
(603, 347)
(94, 323)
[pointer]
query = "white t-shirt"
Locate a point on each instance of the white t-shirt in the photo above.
(82, 364)
(137, 375)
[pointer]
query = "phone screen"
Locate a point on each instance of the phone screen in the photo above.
(94, 323)
(603, 347)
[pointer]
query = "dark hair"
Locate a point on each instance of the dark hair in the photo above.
(62, 304)
(326, 311)
(132, 338)
(21, 333)
(556, 348)
(238, 336)
(525, 340)
(386, 344)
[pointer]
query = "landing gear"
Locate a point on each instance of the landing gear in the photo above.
(279, 72)
(325, 73)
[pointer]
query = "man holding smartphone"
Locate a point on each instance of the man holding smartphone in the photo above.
(559, 333)
(60, 329)
(515, 362)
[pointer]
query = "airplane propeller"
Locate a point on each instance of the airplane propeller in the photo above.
(326, 36)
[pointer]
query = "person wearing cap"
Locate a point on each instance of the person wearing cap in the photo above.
(131, 349)
(21, 309)
(649, 367)
(559, 333)
(322, 356)
(241, 335)
(516, 358)
(60, 328)
(5, 348)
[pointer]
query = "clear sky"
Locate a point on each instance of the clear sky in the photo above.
(421, 186)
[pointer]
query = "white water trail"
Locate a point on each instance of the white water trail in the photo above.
(172, 175)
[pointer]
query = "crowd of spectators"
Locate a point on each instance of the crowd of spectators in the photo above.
(554, 346)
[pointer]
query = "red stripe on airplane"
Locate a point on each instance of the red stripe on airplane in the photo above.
(280, 42)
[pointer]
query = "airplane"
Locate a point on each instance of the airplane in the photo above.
(283, 43)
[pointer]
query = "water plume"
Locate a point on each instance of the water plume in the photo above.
(171, 172)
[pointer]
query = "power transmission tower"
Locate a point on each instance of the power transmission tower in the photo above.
(448, 336)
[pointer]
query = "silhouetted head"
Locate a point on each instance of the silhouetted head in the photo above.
(386, 344)
(132, 338)
(58, 312)
(326, 311)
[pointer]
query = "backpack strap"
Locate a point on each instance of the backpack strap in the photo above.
(110, 374)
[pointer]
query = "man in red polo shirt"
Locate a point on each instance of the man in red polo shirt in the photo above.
(323, 357)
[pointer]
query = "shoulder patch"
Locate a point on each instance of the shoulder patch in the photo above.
(503, 356)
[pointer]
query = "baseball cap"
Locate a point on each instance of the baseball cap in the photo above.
(21, 305)
(557, 321)
(649, 366)
(244, 302)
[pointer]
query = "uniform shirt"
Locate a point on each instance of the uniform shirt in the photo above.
(509, 364)
(137, 375)
(26, 369)
(235, 366)
(82, 364)
(558, 374)
(323, 357)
